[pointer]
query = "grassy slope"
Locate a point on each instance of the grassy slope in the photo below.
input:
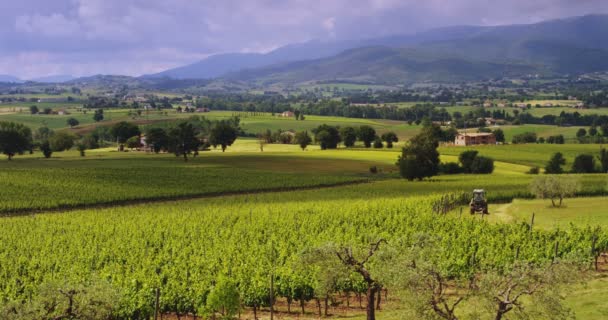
(579, 211)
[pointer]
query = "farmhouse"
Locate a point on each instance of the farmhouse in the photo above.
(469, 139)
(287, 114)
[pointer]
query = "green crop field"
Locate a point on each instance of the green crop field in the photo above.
(126, 221)
(527, 154)
(182, 248)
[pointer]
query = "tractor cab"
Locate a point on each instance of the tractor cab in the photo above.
(478, 203)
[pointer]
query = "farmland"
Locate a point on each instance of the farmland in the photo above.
(183, 247)
(131, 223)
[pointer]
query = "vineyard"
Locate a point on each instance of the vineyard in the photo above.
(49, 188)
(187, 250)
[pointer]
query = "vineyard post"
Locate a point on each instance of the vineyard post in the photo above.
(532, 222)
(272, 295)
(156, 303)
(556, 250)
(593, 254)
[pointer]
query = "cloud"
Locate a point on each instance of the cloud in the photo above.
(54, 25)
(141, 36)
(330, 24)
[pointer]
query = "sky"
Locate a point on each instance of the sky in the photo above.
(134, 37)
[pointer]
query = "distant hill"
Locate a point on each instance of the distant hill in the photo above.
(565, 46)
(7, 78)
(384, 65)
(221, 64)
(53, 79)
(568, 46)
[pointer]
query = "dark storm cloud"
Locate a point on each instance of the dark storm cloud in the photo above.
(41, 37)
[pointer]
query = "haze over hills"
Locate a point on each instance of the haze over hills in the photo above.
(54, 79)
(566, 46)
(9, 78)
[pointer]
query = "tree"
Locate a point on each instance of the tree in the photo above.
(66, 300)
(46, 150)
(466, 159)
(359, 266)
(604, 129)
(499, 134)
(98, 115)
(390, 138)
(367, 135)
(157, 139)
(328, 137)
(349, 136)
(554, 166)
(303, 139)
(554, 188)
(583, 163)
(604, 159)
(15, 138)
(183, 140)
(81, 148)
(123, 130)
(503, 291)
(435, 291)
(134, 142)
(223, 134)
(593, 131)
(420, 158)
(72, 122)
(581, 133)
(378, 143)
(34, 110)
(62, 141)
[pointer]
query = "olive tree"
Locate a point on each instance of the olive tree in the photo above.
(527, 290)
(554, 188)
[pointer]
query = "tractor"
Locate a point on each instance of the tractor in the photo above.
(478, 203)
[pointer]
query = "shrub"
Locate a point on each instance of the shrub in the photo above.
(526, 137)
(583, 163)
(534, 170)
(378, 143)
(466, 159)
(450, 168)
(483, 165)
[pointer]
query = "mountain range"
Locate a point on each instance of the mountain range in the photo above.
(463, 53)
(571, 46)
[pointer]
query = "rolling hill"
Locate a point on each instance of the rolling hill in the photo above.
(384, 65)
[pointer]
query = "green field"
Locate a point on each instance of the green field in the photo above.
(182, 247)
(579, 211)
(127, 219)
(527, 154)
